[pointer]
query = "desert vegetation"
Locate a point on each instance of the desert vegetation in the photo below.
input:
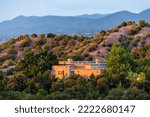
(26, 62)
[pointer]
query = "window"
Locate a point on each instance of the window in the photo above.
(61, 72)
(71, 71)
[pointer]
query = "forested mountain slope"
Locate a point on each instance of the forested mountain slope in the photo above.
(26, 62)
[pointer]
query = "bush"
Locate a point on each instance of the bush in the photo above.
(40, 42)
(34, 35)
(12, 51)
(10, 95)
(134, 93)
(27, 42)
(142, 23)
(115, 94)
(134, 30)
(50, 35)
(10, 71)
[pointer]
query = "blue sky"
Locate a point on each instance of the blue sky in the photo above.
(12, 8)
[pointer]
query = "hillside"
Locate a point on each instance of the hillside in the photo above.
(87, 25)
(78, 47)
(26, 62)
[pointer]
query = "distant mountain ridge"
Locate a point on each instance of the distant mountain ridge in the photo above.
(92, 16)
(80, 25)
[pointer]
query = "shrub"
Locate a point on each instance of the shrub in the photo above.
(142, 23)
(27, 42)
(50, 35)
(34, 35)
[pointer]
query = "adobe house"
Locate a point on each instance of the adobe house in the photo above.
(82, 68)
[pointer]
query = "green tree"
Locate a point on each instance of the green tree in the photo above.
(118, 65)
(10, 95)
(69, 82)
(102, 86)
(32, 62)
(92, 95)
(41, 93)
(50, 35)
(43, 79)
(142, 23)
(116, 94)
(2, 81)
(133, 93)
(69, 93)
(34, 35)
(57, 86)
(17, 83)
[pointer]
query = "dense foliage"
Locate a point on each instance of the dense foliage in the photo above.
(122, 79)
